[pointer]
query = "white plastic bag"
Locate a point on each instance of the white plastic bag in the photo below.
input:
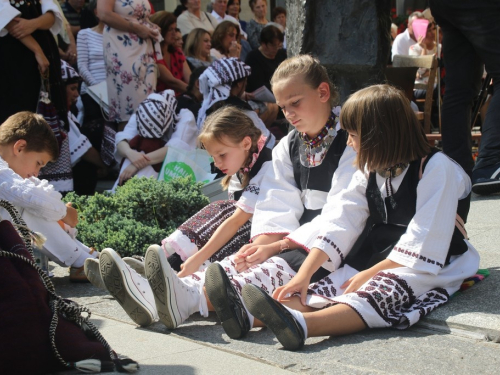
(180, 163)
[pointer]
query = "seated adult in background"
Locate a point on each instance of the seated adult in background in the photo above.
(72, 10)
(279, 16)
(173, 68)
(266, 58)
(255, 25)
(179, 42)
(403, 41)
(197, 48)
(225, 41)
(192, 98)
(194, 18)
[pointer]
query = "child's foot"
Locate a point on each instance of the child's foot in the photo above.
(226, 302)
(91, 269)
(275, 316)
(130, 289)
(176, 298)
(77, 275)
(136, 265)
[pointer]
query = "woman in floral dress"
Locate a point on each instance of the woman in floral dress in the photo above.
(130, 43)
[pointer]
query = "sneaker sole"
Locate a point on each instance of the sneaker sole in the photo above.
(486, 188)
(264, 308)
(118, 286)
(216, 284)
(162, 287)
(91, 269)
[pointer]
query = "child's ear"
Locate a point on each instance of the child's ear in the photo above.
(324, 92)
(19, 146)
(247, 143)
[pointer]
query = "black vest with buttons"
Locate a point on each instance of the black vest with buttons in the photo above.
(389, 219)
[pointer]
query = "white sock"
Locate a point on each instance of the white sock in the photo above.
(300, 318)
(250, 316)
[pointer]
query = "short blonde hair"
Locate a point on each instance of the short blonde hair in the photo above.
(310, 69)
(388, 130)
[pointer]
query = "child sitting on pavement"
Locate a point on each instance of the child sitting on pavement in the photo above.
(27, 144)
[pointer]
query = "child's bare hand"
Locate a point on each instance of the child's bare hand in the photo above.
(190, 266)
(250, 255)
(138, 159)
(127, 174)
(355, 282)
(298, 284)
(71, 217)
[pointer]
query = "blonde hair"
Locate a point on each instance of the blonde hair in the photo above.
(311, 71)
(234, 124)
(33, 129)
(194, 42)
(387, 128)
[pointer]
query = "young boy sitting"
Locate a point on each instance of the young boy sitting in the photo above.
(27, 144)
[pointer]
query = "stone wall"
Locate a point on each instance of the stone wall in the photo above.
(350, 37)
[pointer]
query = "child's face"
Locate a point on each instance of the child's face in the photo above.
(306, 108)
(72, 93)
(27, 163)
(229, 157)
(353, 140)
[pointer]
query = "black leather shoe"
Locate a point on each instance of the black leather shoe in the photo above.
(275, 316)
(226, 302)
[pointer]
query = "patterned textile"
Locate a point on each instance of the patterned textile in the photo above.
(215, 82)
(196, 231)
(156, 114)
(130, 61)
(67, 71)
(59, 173)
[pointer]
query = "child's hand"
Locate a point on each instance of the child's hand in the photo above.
(190, 266)
(250, 255)
(127, 174)
(43, 62)
(138, 159)
(71, 217)
(355, 282)
(299, 284)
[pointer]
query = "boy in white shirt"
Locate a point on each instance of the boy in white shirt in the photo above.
(27, 144)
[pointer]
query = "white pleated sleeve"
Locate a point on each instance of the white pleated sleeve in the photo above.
(279, 206)
(7, 14)
(36, 196)
(251, 193)
(425, 244)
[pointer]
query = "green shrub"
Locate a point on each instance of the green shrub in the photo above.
(140, 213)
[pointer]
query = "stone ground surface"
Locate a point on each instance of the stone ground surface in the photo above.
(461, 337)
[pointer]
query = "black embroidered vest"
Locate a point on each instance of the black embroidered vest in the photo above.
(386, 230)
(319, 177)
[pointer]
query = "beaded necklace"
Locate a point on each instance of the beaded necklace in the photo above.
(312, 151)
(329, 129)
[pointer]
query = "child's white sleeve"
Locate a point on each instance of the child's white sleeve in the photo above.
(251, 193)
(78, 143)
(55, 8)
(425, 244)
(279, 206)
(34, 195)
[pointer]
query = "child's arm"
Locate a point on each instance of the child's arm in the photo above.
(355, 282)
(221, 236)
(151, 158)
(301, 281)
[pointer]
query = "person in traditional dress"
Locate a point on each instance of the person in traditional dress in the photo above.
(29, 51)
(27, 143)
(416, 253)
(292, 193)
(221, 228)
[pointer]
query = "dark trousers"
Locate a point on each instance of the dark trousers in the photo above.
(471, 37)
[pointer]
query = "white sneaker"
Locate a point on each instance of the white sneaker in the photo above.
(176, 298)
(135, 264)
(130, 289)
(91, 269)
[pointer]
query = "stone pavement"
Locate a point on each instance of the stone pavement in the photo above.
(461, 337)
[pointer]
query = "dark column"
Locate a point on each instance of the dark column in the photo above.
(350, 37)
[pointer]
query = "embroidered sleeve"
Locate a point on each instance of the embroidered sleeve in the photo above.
(343, 217)
(279, 205)
(425, 244)
(250, 194)
(78, 143)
